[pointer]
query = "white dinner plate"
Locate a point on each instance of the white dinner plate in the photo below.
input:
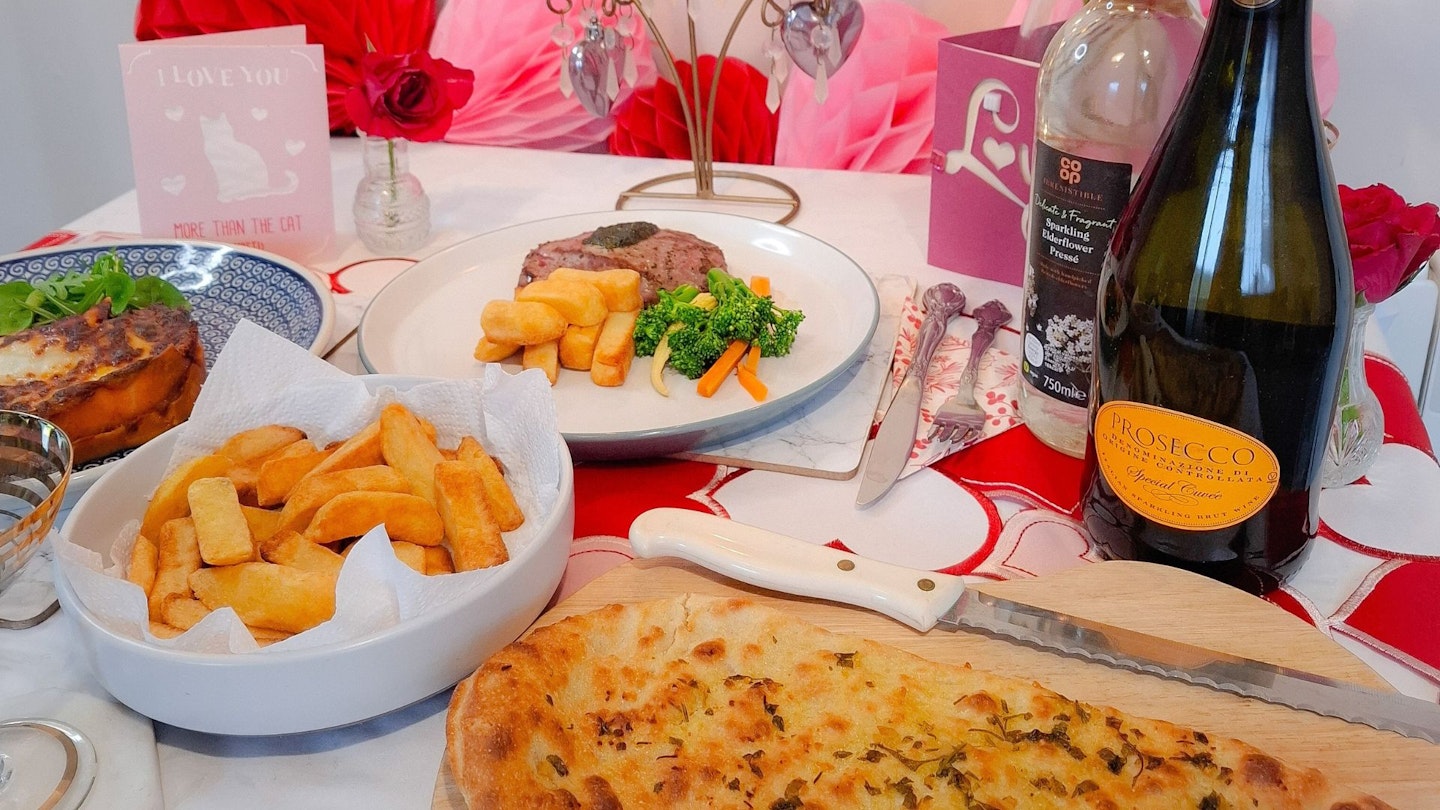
(427, 321)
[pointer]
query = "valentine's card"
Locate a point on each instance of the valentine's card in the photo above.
(981, 160)
(230, 139)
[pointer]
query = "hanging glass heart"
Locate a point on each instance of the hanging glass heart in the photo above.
(594, 64)
(822, 33)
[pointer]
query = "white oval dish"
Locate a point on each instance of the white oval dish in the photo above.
(283, 692)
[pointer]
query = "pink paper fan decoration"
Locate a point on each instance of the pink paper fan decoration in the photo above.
(880, 111)
(517, 99)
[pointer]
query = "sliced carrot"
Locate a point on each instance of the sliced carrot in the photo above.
(751, 383)
(752, 359)
(709, 382)
(760, 285)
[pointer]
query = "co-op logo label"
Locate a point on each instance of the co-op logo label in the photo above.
(1069, 170)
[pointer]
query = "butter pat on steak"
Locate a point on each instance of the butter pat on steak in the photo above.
(706, 702)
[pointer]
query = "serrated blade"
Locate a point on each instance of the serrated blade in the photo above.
(1128, 649)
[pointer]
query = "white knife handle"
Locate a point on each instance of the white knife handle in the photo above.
(776, 562)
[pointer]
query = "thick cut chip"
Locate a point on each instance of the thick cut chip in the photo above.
(521, 322)
(576, 301)
(488, 351)
(614, 350)
(220, 525)
(315, 491)
(183, 612)
(262, 522)
(474, 535)
(263, 594)
(279, 473)
(408, 449)
(248, 445)
(544, 356)
(577, 346)
(438, 560)
(291, 548)
(405, 517)
(144, 563)
(497, 490)
(177, 556)
(412, 555)
(172, 498)
(619, 285)
(360, 450)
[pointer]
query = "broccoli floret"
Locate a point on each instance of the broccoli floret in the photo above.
(673, 307)
(740, 314)
(695, 348)
(776, 338)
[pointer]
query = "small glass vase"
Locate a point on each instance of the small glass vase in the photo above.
(392, 211)
(1359, 426)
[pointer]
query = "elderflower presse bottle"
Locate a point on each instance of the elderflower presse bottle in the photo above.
(1108, 83)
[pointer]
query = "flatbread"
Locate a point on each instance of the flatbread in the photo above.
(706, 702)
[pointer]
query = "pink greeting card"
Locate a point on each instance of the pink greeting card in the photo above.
(981, 161)
(230, 139)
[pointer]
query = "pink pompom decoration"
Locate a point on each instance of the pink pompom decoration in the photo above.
(517, 99)
(880, 111)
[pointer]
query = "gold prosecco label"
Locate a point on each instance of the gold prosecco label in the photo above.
(1181, 470)
(1255, 3)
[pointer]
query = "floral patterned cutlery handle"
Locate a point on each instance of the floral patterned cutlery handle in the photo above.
(989, 317)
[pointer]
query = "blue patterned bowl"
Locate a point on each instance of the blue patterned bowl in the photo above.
(223, 283)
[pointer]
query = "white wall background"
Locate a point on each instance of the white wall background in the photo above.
(64, 146)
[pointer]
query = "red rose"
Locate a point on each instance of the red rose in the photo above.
(412, 96)
(651, 122)
(1389, 240)
(348, 30)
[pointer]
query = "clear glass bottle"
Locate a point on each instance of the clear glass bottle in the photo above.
(1107, 86)
(392, 211)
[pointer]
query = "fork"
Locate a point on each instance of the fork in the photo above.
(960, 415)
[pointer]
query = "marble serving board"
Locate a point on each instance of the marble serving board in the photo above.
(826, 436)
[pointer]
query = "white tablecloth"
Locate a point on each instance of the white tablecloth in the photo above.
(881, 221)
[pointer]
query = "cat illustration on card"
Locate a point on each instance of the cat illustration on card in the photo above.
(240, 171)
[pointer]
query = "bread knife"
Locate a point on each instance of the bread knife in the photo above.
(926, 599)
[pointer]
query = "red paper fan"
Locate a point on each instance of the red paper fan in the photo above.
(651, 123)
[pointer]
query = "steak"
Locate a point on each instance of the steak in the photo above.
(665, 259)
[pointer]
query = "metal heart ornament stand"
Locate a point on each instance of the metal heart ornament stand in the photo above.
(818, 36)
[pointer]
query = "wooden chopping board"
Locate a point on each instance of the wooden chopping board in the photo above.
(1149, 598)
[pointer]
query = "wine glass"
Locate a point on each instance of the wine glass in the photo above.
(44, 763)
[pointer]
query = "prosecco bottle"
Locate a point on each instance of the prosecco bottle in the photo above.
(1225, 301)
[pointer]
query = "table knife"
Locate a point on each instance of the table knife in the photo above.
(925, 599)
(896, 438)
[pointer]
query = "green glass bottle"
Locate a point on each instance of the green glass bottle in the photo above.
(1225, 302)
